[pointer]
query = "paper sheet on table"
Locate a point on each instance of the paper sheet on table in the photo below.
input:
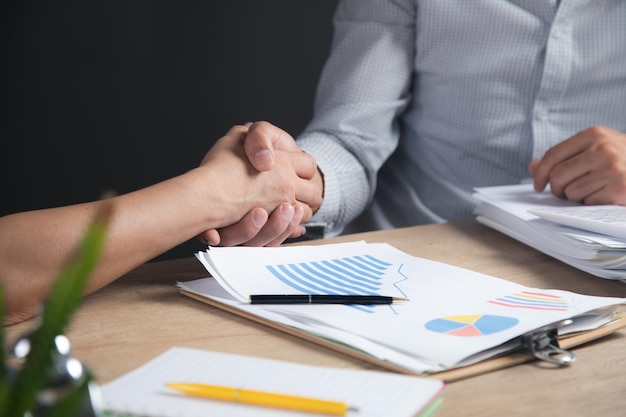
(143, 392)
(453, 313)
(505, 208)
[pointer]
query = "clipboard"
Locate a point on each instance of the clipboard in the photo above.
(541, 344)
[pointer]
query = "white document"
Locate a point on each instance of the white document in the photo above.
(506, 209)
(142, 392)
(454, 316)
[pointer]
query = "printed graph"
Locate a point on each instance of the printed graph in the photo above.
(533, 301)
(471, 325)
(357, 275)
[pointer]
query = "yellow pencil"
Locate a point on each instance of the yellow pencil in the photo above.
(261, 398)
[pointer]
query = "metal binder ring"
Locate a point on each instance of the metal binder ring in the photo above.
(556, 355)
(544, 345)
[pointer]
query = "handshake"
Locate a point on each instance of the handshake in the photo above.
(268, 187)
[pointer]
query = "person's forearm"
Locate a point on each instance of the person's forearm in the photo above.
(145, 223)
(34, 245)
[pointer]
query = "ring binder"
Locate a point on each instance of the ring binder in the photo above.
(543, 344)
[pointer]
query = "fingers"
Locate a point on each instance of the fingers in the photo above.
(266, 145)
(600, 186)
(532, 167)
(284, 222)
(262, 140)
(279, 227)
(589, 167)
(556, 162)
(310, 185)
(290, 176)
(303, 164)
(614, 192)
(210, 237)
(239, 232)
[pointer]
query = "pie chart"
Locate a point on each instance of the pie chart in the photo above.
(471, 324)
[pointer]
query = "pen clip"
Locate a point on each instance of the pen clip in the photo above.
(543, 344)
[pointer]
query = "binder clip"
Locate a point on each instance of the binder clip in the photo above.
(543, 344)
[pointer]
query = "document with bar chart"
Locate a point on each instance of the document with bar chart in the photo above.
(453, 317)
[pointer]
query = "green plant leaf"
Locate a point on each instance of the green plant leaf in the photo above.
(63, 299)
(73, 402)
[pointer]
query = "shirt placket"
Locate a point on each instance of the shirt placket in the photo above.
(557, 71)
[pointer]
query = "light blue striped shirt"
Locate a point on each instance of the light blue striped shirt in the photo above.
(421, 101)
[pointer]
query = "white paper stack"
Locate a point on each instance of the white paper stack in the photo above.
(507, 209)
(454, 317)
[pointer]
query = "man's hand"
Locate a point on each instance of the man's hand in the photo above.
(589, 167)
(261, 145)
(256, 229)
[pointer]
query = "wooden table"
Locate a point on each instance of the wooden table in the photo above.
(142, 314)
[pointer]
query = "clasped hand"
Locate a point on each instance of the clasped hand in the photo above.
(295, 181)
(589, 167)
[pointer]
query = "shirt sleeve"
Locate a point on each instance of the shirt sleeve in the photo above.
(363, 89)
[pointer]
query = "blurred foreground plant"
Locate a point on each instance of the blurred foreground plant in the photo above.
(21, 389)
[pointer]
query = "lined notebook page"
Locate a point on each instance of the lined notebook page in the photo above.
(142, 392)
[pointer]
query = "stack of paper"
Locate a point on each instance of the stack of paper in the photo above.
(454, 317)
(143, 392)
(506, 209)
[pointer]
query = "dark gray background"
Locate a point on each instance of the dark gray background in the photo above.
(118, 95)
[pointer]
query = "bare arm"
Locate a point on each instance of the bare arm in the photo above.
(144, 223)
